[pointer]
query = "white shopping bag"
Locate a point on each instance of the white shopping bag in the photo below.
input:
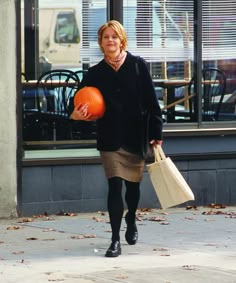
(170, 186)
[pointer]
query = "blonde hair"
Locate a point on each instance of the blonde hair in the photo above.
(118, 28)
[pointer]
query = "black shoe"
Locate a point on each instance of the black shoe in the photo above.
(114, 250)
(131, 234)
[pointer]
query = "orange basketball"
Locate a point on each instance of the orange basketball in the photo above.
(93, 97)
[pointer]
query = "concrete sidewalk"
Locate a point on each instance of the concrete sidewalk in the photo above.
(175, 246)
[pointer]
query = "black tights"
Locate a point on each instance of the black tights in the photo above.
(115, 203)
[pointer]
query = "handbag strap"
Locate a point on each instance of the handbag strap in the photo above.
(138, 85)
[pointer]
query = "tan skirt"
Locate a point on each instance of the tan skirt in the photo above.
(121, 163)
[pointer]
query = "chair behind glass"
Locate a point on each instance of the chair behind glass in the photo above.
(213, 91)
(53, 93)
(214, 86)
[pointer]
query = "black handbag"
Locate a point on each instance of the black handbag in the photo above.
(146, 149)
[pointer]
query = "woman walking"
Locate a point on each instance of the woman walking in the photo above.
(122, 78)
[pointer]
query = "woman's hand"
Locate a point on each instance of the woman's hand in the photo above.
(155, 142)
(81, 113)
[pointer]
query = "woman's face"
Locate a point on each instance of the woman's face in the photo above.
(110, 43)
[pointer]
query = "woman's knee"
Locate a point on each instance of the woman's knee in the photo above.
(115, 182)
(132, 185)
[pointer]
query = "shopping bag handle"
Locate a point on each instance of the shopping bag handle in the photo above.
(161, 152)
(158, 153)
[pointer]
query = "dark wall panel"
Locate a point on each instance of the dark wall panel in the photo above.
(226, 187)
(83, 188)
(66, 183)
(37, 184)
(203, 184)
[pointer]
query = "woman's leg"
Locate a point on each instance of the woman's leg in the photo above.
(115, 209)
(132, 197)
(115, 206)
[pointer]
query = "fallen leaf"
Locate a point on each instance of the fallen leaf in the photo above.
(121, 277)
(40, 215)
(189, 267)
(188, 207)
(32, 239)
(24, 220)
(160, 249)
(71, 214)
(60, 213)
(48, 230)
(48, 273)
(63, 213)
(13, 228)
(231, 216)
(141, 214)
(139, 218)
(77, 237)
(219, 212)
(165, 223)
(49, 219)
(17, 253)
(97, 219)
(90, 236)
(209, 212)
(145, 209)
(191, 207)
(102, 213)
(211, 245)
(217, 205)
(157, 219)
(86, 236)
(189, 218)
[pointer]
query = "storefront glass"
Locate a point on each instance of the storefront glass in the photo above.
(63, 35)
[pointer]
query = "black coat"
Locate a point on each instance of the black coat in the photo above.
(120, 125)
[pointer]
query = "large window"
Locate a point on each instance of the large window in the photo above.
(219, 47)
(60, 35)
(63, 34)
(162, 33)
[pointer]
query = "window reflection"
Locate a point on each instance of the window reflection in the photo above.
(66, 29)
